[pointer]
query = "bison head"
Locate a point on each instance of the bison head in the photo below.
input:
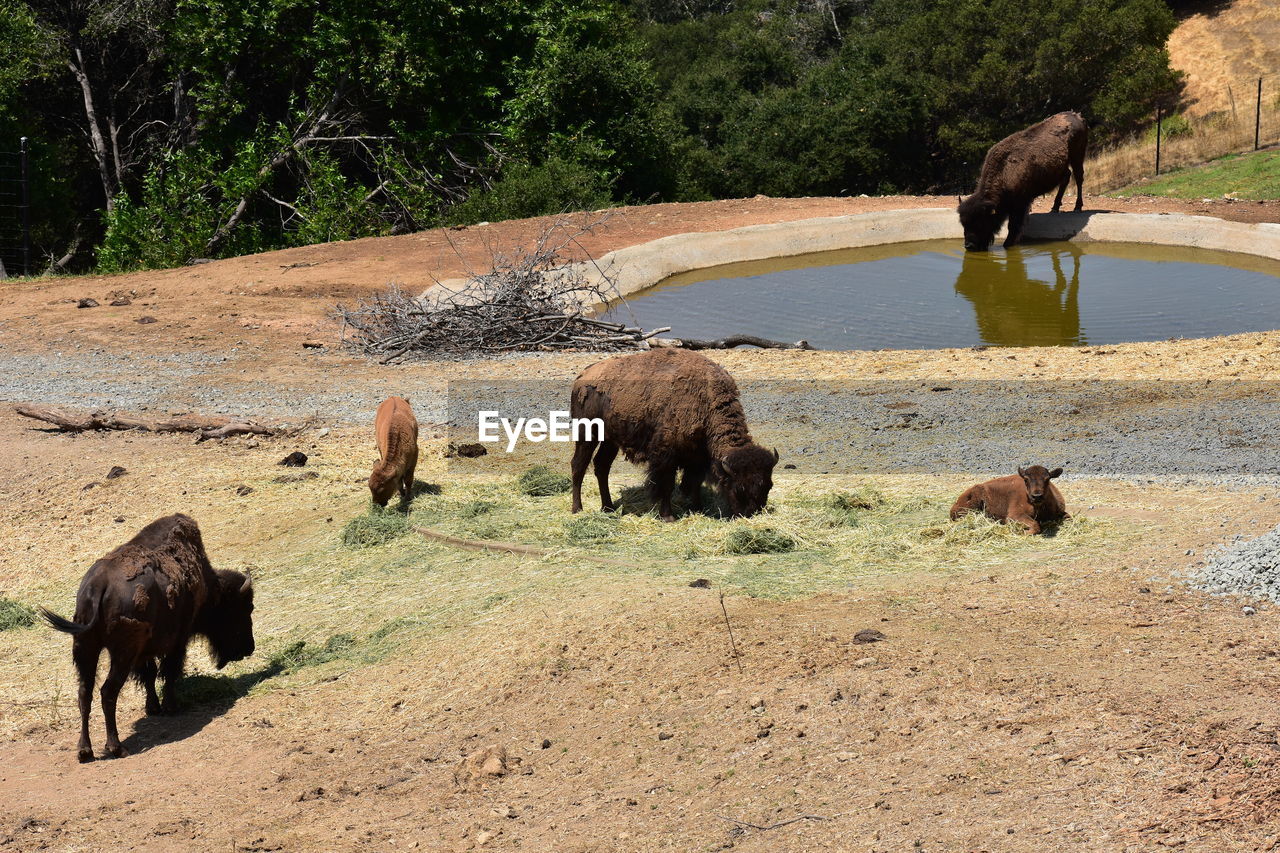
(1037, 479)
(230, 624)
(980, 220)
(745, 477)
(383, 485)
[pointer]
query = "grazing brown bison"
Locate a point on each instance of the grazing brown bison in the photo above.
(144, 602)
(397, 432)
(1017, 170)
(1027, 498)
(671, 410)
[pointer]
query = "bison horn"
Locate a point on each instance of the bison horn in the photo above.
(775, 454)
(247, 586)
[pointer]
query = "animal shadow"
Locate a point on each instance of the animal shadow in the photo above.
(202, 698)
(636, 500)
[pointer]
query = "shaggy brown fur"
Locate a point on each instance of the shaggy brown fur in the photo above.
(1027, 498)
(145, 601)
(397, 433)
(671, 410)
(1017, 170)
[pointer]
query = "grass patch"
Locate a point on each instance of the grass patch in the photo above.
(299, 655)
(1254, 176)
(763, 540)
(15, 614)
(377, 527)
(540, 482)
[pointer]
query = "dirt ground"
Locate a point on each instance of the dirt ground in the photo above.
(1094, 703)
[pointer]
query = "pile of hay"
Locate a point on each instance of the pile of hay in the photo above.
(591, 529)
(15, 614)
(378, 527)
(540, 482)
(758, 540)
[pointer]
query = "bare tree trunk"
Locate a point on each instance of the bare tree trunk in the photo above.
(71, 420)
(97, 144)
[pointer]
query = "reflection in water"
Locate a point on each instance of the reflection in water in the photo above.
(1014, 310)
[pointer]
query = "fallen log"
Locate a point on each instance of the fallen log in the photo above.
(205, 427)
(727, 343)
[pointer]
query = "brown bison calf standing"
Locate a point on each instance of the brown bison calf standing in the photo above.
(1027, 498)
(1017, 170)
(671, 410)
(397, 434)
(145, 601)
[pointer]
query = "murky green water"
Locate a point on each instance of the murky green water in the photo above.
(934, 294)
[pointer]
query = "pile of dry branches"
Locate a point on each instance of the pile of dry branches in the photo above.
(536, 299)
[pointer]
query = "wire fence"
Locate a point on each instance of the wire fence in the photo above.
(1247, 118)
(15, 211)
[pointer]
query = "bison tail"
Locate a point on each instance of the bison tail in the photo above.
(58, 623)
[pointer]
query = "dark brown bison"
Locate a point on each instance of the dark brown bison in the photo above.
(1017, 170)
(396, 430)
(143, 603)
(671, 410)
(1027, 498)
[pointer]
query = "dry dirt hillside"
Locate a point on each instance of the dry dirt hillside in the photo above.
(1224, 49)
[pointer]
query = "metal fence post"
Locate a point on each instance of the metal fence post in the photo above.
(26, 206)
(1257, 117)
(1159, 120)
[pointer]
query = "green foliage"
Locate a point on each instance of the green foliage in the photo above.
(1170, 127)
(758, 540)
(555, 186)
(540, 482)
(15, 614)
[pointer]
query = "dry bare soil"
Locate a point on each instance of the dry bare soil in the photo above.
(1028, 694)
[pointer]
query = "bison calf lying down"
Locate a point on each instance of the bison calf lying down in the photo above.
(1028, 498)
(1017, 170)
(671, 410)
(397, 433)
(143, 603)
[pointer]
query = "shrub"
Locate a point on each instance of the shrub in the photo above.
(523, 191)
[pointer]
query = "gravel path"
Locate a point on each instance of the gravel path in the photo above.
(1249, 567)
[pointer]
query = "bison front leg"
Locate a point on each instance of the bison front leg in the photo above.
(1062, 189)
(604, 461)
(662, 482)
(1027, 524)
(171, 670)
(146, 673)
(1017, 221)
(582, 453)
(86, 660)
(691, 487)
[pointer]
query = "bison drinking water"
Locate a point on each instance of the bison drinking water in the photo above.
(143, 603)
(671, 410)
(396, 430)
(1027, 498)
(1017, 170)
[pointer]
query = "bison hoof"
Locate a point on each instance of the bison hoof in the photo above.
(86, 754)
(117, 751)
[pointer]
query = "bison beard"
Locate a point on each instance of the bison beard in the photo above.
(1017, 170)
(673, 411)
(143, 603)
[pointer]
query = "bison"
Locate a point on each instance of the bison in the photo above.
(671, 410)
(1017, 170)
(1028, 498)
(396, 430)
(143, 602)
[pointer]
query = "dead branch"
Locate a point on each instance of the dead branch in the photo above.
(777, 825)
(728, 343)
(732, 644)
(534, 299)
(205, 427)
